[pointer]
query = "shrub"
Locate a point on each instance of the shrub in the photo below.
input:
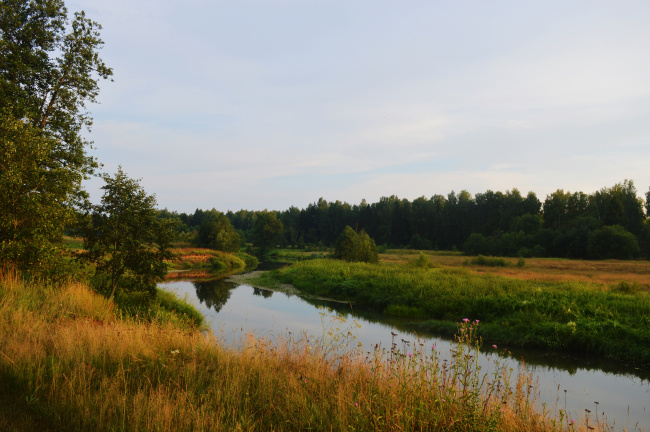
(613, 241)
(422, 261)
(354, 247)
(488, 261)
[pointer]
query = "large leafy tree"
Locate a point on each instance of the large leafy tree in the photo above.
(351, 246)
(267, 231)
(33, 188)
(216, 232)
(126, 240)
(49, 70)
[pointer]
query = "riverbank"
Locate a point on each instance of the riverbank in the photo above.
(603, 319)
(70, 361)
(202, 263)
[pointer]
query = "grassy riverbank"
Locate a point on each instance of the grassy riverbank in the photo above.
(607, 319)
(69, 360)
(201, 263)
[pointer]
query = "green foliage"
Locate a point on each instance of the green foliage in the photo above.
(422, 261)
(126, 241)
(267, 231)
(34, 190)
(404, 311)
(216, 232)
(250, 260)
(50, 69)
(600, 319)
(169, 307)
(613, 242)
(482, 260)
(351, 246)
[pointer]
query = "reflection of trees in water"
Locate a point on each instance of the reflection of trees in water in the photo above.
(214, 293)
(262, 292)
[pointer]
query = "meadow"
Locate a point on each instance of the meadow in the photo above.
(70, 360)
(601, 308)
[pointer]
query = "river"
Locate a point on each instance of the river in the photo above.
(617, 391)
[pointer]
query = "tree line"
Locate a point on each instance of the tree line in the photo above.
(609, 223)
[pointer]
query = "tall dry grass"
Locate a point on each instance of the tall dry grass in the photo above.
(69, 362)
(543, 269)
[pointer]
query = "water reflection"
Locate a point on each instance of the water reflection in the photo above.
(262, 292)
(214, 293)
(235, 310)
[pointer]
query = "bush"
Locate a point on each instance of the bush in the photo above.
(422, 261)
(354, 247)
(613, 241)
(487, 261)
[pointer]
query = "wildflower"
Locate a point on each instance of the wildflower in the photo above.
(501, 410)
(356, 404)
(443, 400)
(476, 321)
(410, 354)
(494, 346)
(174, 352)
(465, 319)
(164, 365)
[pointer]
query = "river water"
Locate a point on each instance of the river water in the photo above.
(620, 392)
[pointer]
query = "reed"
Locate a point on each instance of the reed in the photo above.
(70, 361)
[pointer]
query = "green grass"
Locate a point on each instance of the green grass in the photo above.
(608, 320)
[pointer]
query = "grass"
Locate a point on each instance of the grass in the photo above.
(69, 361)
(201, 263)
(296, 254)
(608, 320)
(541, 269)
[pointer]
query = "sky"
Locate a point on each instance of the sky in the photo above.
(267, 104)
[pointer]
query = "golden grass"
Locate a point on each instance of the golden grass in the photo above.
(545, 269)
(68, 362)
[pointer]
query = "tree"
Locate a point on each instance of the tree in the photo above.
(613, 242)
(345, 244)
(267, 231)
(216, 232)
(49, 70)
(33, 191)
(125, 239)
(354, 247)
(366, 249)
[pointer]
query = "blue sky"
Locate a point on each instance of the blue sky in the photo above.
(272, 103)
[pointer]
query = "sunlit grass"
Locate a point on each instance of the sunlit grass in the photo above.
(543, 269)
(69, 362)
(609, 320)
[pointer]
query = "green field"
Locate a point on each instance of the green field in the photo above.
(611, 320)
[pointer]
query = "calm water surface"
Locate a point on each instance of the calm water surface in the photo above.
(234, 310)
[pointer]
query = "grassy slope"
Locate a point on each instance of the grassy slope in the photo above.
(591, 317)
(69, 362)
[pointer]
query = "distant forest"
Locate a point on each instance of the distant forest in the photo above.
(610, 223)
